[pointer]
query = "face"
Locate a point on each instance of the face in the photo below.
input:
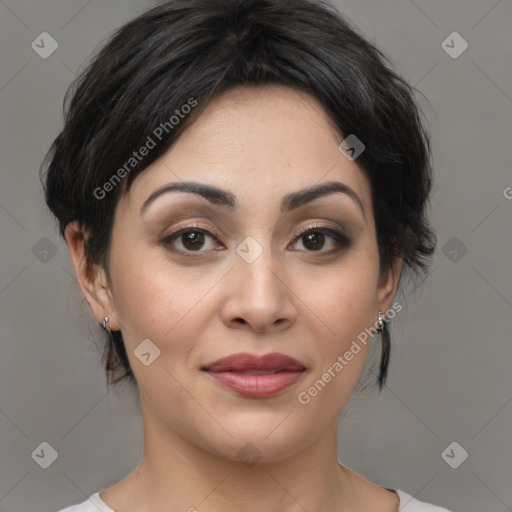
(257, 263)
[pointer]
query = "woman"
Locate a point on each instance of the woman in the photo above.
(242, 185)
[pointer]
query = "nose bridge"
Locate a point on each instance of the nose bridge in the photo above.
(258, 264)
(259, 295)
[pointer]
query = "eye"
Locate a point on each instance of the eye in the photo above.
(194, 238)
(314, 238)
(190, 239)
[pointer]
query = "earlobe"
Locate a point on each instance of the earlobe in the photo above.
(91, 277)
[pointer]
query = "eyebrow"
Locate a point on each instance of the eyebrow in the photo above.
(225, 198)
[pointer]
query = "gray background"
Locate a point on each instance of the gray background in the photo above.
(450, 372)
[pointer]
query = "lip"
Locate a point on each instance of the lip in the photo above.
(256, 376)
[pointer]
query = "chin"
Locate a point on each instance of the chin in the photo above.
(258, 440)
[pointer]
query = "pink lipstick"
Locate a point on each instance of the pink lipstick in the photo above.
(256, 376)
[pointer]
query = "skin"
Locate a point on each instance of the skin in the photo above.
(197, 306)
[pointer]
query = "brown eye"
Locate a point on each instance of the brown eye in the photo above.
(315, 240)
(190, 239)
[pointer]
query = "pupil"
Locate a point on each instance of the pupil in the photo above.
(317, 239)
(193, 240)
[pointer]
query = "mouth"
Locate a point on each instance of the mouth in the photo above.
(256, 376)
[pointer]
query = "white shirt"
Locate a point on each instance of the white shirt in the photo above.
(407, 503)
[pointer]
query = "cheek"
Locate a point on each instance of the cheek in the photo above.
(161, 302)
(355, 298)
(146, 304)
(341, 355)
(345, 299)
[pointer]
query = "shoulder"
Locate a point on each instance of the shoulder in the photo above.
(409, 504)
(92, 504)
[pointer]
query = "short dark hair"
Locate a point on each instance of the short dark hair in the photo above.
(196, 49)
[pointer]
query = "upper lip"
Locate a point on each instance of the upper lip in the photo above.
(249, 362)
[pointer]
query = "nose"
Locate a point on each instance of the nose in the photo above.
(259, 298)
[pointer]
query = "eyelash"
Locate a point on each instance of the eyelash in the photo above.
(341, 239)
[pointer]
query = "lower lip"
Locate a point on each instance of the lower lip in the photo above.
(257, 385)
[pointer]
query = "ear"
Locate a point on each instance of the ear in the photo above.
(91, 278)
(388, 284)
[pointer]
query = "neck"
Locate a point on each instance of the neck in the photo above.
(175, 474)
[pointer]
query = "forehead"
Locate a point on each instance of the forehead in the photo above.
(260, 142)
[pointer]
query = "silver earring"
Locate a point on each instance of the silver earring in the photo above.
(380, 323)
(105, 321)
